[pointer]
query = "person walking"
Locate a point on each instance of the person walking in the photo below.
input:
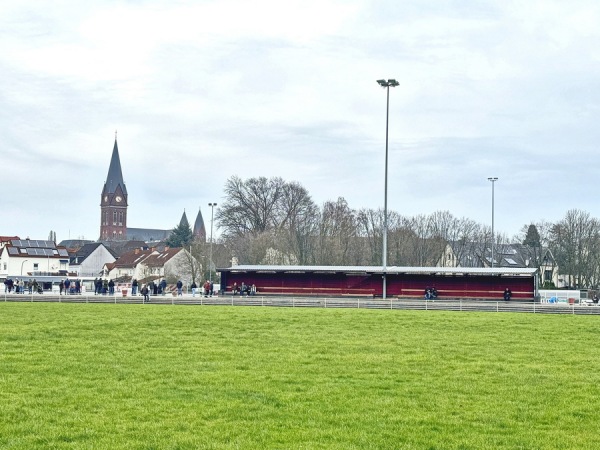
(179, 288)
(145, 294)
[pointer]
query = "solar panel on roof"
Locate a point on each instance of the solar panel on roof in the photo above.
(13, 251)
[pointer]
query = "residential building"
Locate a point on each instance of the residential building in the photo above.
(89, 260)
(29, 257)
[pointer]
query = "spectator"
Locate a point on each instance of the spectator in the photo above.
(145, 294)
(507, 294)
(179, 287)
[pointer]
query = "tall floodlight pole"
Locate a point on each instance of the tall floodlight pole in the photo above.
(386, 84)
(212, 210)
(493, 180)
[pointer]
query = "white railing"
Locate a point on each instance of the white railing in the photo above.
(557, 296)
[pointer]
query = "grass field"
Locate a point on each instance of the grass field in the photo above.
(75, 376)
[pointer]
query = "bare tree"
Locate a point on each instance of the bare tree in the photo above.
(337, 233)
(370, 227)
(575, 242)
(251, 206)
(298, 222)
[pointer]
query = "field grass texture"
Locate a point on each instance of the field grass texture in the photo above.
(75, 376)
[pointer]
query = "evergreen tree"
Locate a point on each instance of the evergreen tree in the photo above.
(532, 238)
(181, 236)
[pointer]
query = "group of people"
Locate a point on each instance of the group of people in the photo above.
(20, 287)
(243, 289)
(67, 286)
(208, 289)
(431, 293)
(103, 287)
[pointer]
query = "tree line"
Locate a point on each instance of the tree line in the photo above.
(275, 222)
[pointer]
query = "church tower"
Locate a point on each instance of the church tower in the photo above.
(113, 202)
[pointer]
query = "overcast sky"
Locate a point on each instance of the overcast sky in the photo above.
(201, 91)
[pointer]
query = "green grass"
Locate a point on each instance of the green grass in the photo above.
(179, 377)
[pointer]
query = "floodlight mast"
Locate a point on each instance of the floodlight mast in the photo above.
(386, 84)
(493, 180)
(212, 215)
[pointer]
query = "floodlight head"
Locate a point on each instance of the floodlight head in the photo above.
(493, 179)
(392, 82)
(383, 83)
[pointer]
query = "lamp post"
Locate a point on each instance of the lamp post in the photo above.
(386, 84)
(212, 210)
(493, 180)
(22, 266)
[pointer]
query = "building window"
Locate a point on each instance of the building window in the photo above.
(547, 275)
(35, 266)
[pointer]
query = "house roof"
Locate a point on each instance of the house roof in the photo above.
(159, 259)
(79, 256)
(472, 254)
(121, 247)
(132, 258)
(147, 234)
(74, 244)
(32, 248)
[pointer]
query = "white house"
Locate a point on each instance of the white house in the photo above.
(30, 258)
(90, 259)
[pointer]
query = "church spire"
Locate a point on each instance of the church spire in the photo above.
(184, 221)
(115, 175)
(113, 203)
(199, 229)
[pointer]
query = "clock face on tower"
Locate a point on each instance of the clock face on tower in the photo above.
(118, 198)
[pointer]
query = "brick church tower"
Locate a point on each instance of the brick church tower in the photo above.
(113, 202)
